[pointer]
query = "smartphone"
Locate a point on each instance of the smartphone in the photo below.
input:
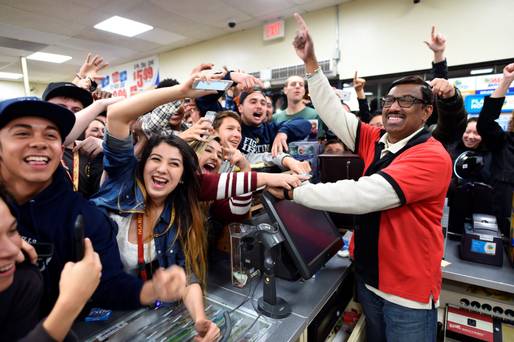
(78, 238)
(220, 85)
(210, 115)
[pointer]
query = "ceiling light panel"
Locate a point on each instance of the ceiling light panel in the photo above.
(49, 57)
(123, 26)
(10, 76)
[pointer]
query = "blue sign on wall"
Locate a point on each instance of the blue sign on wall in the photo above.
(474, 103)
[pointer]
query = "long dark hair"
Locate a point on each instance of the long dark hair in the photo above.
(189, 217)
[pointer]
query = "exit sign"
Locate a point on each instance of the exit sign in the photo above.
(274, 30)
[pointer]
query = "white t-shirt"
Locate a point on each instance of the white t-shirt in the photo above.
(128, 250)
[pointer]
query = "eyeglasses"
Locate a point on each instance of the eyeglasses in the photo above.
(403, 101)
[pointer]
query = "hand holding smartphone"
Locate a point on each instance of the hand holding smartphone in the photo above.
(210, 115)
(220, 85)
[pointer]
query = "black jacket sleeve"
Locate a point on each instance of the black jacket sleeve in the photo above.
(490, 131)
(37, 334)
(451, 119)
(364, 112)
(440, 69)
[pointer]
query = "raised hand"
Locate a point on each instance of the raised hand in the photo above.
(358, 85)
(437, 41)
(91, 66)
(303, 44)
(508, 77)
(442, 88)
(508, 72)
(437, 44)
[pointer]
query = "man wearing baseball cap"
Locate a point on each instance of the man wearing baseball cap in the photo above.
(31, 136)
(67, 94)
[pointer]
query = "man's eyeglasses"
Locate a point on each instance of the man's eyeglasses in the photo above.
(403, 101)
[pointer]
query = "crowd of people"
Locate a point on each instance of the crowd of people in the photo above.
(151, 172)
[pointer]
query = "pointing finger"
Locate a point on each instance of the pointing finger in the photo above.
(300, 22)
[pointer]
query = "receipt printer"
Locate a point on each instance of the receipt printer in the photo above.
(481, 241)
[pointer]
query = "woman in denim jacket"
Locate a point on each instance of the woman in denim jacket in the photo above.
(155, 201)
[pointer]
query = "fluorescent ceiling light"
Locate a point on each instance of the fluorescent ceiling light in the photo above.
(49, 57)
(123, 26)
(368, 93)
(481, 71)
(10, 75)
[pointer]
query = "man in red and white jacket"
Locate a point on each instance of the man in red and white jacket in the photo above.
(399, 200)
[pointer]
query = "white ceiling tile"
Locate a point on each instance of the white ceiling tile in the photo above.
(212, 12)
(260, 7)
(66, 26)
(161, 36)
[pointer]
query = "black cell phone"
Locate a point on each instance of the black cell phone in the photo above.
(78, 238)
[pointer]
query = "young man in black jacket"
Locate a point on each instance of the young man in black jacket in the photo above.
(501, 145)
(31, 136)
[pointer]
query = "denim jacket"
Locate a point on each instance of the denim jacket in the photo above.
(123, 194)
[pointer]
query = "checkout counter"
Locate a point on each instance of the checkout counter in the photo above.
(476, 299)
(316, 303)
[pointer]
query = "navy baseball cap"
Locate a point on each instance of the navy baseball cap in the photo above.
(19, 107)
(244, 94)
(68, 89)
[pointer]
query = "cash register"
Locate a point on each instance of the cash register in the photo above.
(481, 239)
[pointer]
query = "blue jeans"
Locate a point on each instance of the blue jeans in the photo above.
(386, 321)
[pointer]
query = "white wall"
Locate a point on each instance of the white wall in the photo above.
(377, 37)
(381, 37)
(246, 50)
(10, 89)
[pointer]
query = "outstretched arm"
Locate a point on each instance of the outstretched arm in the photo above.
(491, 132)
(88, 114)
(358, 85)
(325, 100)
(120, 115)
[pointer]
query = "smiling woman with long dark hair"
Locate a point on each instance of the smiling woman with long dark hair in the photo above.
(155, 200)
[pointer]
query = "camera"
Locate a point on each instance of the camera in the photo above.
(231, 23)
